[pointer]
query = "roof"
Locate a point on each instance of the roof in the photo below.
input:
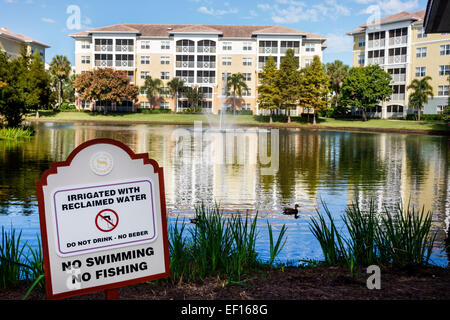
(20, 37)
(417, 16)
(227, 31)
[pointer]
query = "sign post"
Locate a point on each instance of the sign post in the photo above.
(103, 220)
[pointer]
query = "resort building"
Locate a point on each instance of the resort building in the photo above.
(13, 43)
(201, 55)
(400, 46)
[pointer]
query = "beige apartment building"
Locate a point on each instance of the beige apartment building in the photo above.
(399, 44)
(12, 43)
(201, 55)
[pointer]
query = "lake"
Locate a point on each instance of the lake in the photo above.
(250, 170)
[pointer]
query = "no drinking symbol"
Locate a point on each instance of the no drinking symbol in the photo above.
(106, 220)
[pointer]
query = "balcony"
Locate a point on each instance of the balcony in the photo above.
(284, 49)
(398, 77)
(378, 60)
(103, 48)
(207, 95)
(267, 50)
(103, 63)
(185, 64)
(124, 48)
(397, 59)
(124, 63)
(206, 79)
(206, 64)
(377, 43)
(206, 49)
(398, 97)
(393, 41)
(186, 49)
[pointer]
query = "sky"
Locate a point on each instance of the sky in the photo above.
(51, 21)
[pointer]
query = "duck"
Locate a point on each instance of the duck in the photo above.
(291, 211)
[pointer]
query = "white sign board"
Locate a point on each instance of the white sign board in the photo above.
(103, 220)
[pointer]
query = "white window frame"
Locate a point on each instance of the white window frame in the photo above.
(444, 70)
(165, 45)
(247, 76)
(226, 61)
(145, 59)
(247, 46)
(444, 50)
(421, 71)
(442, 90)
(247, 61)
(361, 42)
(145, 74)
(421, 52)
(145, 44)
(165, 59)
(421, 33)
(85, 44)
(85, 59)
(227, 46)
(165, 75)
(310, 47)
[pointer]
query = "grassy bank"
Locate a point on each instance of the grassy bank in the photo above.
(15, 133)
(383, 125)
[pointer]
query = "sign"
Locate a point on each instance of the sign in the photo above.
(103, 220)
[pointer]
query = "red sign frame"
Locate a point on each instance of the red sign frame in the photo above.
(43, 226)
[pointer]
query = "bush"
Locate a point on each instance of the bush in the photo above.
(153, 111)
(431, 117)
(67, 106)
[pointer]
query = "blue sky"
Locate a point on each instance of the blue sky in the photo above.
(47, 20)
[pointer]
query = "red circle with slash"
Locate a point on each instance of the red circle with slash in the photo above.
(106, 220)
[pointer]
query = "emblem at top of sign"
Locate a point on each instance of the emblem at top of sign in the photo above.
(101, 163)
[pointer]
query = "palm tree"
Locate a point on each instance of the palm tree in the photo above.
(236, 82)
(60, 68)
(337, 71)
(175, 85)
(421, 90)
(152, 87)
(193, 95)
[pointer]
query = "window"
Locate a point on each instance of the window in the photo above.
(246, 93)
(247, 76)
(86, 44)
(421, 52)
(225, 75)
(145, 59)
(247, 46)
(164, 105)
(308, 62)
(246, 106)
(145, 44)
(361, 42)
(85, 104)
(85, 59)
(310, 47)
(145, 104)
(421, 33)
(443, 91)
(226, 46)
(444, 70)
(420, 71)
(145, 74)
(165, 75)
(445, 49)
(165, 45)
(226, 61)
(246, 61)
(361, 59)
(439, 109)
(130, 75)
(165, 60)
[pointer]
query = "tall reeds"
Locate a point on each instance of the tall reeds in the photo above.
(400, 236)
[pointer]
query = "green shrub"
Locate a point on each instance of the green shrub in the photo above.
(153, 111)
(16, 133)
(430, 117)
(66, 106)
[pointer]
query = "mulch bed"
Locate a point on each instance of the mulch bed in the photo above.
(321, 283)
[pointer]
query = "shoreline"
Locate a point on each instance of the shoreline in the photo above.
(275, 125)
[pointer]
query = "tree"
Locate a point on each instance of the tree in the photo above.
(268, 92)
(38, 91)
(60, 69)
(288, 82)
(365, 87)
(421, 90)
(236, 82)
(105, 84)
(152, 88)
(193, 95)
(12, 91)
(337, 71)
(314, 86)
(175, 85)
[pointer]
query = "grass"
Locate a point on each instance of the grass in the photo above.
(16, 133)
(400, 237)
(246, 120)
(217, 245)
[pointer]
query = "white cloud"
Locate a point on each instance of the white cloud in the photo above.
(263, 6)
(290, 11)
(389, 7)
(218, 12)
(338, 43)
(48, 20)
